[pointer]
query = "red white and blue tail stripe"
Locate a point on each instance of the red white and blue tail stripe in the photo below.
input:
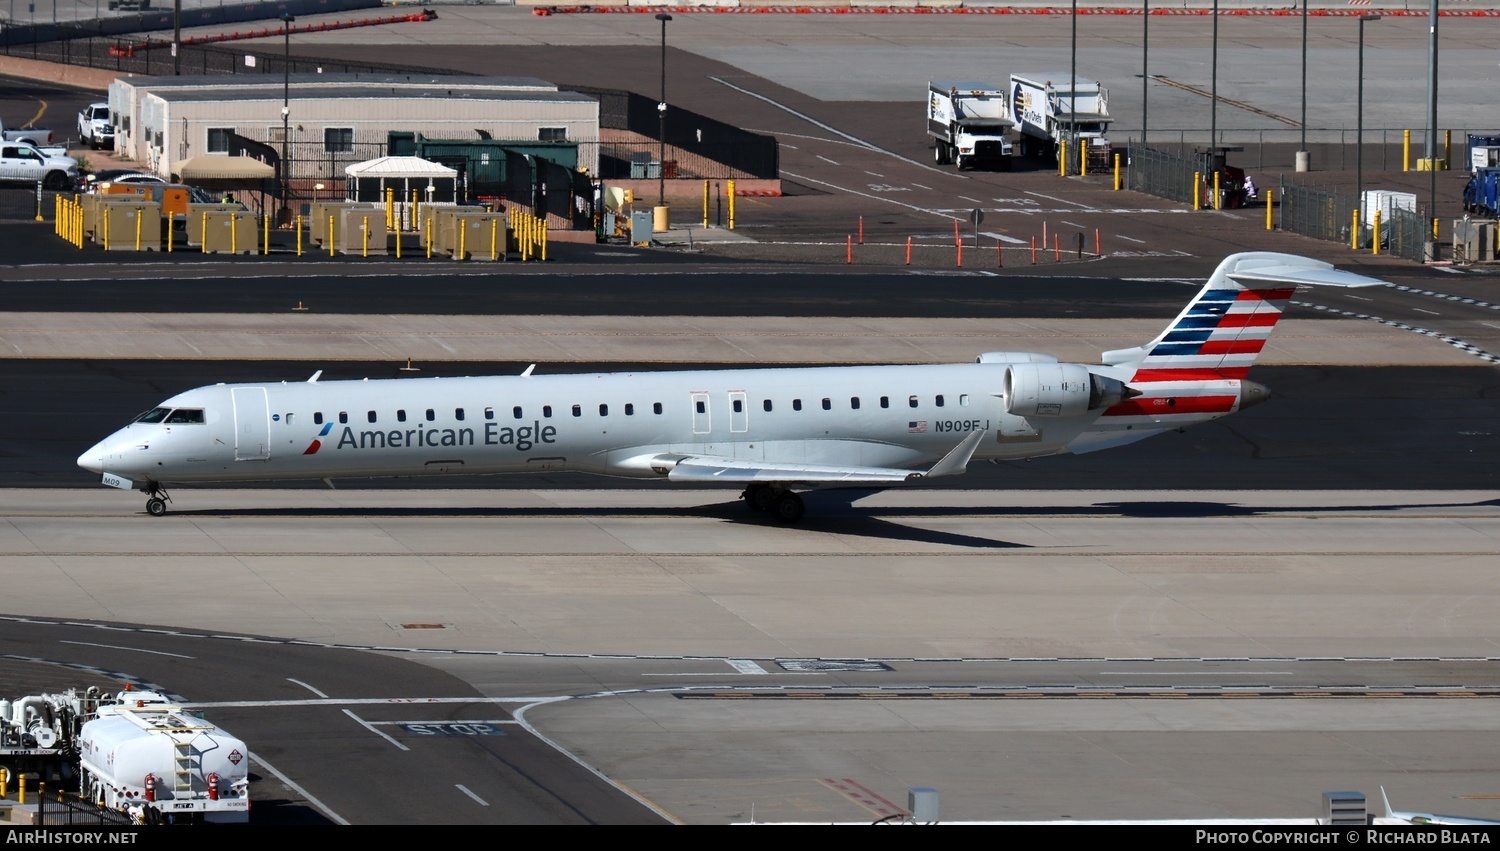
(1195, 370)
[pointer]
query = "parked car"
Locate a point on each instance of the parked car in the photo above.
(92, 181)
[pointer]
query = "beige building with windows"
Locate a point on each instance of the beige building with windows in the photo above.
(335, 120)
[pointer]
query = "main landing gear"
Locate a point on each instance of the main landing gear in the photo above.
(782, 504)
(156, 499)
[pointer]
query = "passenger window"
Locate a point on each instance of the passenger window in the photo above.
(912, 402)
(289, 418)
(317, 417)
(767, 405)
(796, 404)
(431, 415)
(827, 404)
(603, 410)
(343, 416)
(701, 406)
(401, 415)
(940, 400)
(963, 400)
(547, 411)
(885, 401)
(854, 402)
(458, 413)
(371, 416)
(516, 412)
(629, 409)
(489, 413)
(577, 410)
(739, 406)
(655, 407)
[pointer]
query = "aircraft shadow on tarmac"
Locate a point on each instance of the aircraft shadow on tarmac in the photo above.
(834, 512)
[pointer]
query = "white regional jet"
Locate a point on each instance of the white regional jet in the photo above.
(768, 430)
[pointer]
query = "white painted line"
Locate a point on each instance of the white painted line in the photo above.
(131, 649)
(1003, 238)
(1196, 673)
(1074, 225)
(967, 198)
(1130, 238)
(306, 796)
(1428, 312)
(1360, 297)
(874, 174)
(746, 666)
(1449, 269)
(443, 721)
(1061, 200)
(372, 729)
(826, 160)
(920, 186)
(464, 789)
(306, 686)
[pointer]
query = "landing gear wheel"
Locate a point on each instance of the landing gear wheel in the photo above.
(787, 508)
(156, 506)
(759, 497)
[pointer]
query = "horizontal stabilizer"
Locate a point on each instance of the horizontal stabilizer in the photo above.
(1301, 276)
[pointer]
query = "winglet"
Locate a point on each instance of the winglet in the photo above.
(1387, 801)
(527, 373)
(956, 462)
(315, 377)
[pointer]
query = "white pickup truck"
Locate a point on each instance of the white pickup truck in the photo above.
(24, 163)
(31, 135)
(94, 127)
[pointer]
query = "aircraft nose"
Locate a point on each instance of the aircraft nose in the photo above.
(93, 460)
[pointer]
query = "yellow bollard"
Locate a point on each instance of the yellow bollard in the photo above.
(1268, 212)
(463, 233)
(329, 235)
(429, 237)
(266, 228)
(544, 240)
(299, 234)
(1197, 189)
(1375, 231)
(1447, 150)
(398, 244)
(1118, 184)
(169, 234)
(1083, 159)
(21, 788)
(1217, 193)
(364, 236)
(1434, 229)
(1406, 150)
(140, 216)
(705, 203)
(1062, 158)
(1354, 230)
(390, 208)
(234, 235)
(494, 232)
(731, 205)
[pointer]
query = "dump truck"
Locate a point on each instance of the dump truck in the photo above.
(969, 120)
(1047, 110)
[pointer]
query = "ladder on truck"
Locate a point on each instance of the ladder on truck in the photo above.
(182, 730)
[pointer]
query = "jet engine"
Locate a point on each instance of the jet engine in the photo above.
(1059, 390)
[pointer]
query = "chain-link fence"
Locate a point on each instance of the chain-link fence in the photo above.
(1331, 216)
(1162, 174)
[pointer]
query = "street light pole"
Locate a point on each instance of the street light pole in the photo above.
(1145, 63)
(1302, 157)
(661, 114)
(286, 109)
(1359, 123)
(1073, 92)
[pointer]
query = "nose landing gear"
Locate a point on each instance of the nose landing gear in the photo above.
(156, 499)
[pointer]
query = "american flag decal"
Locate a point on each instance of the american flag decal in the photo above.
(916, 427)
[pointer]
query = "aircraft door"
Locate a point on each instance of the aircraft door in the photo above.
(702, 419)
(252, 424)
(739, 412)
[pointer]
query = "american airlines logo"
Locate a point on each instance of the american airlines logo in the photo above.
(522, 438)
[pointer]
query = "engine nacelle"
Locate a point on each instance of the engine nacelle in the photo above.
(1059, 390)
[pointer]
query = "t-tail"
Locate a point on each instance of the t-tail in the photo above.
(1196, 369)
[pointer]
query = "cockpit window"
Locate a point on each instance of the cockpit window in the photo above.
(155, 415)
(185, 415)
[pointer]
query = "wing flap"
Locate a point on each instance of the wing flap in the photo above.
(711, 469)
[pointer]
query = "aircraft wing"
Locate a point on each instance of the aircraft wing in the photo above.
(710, 468)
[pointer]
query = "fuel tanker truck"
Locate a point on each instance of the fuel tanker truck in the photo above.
(150, 758)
